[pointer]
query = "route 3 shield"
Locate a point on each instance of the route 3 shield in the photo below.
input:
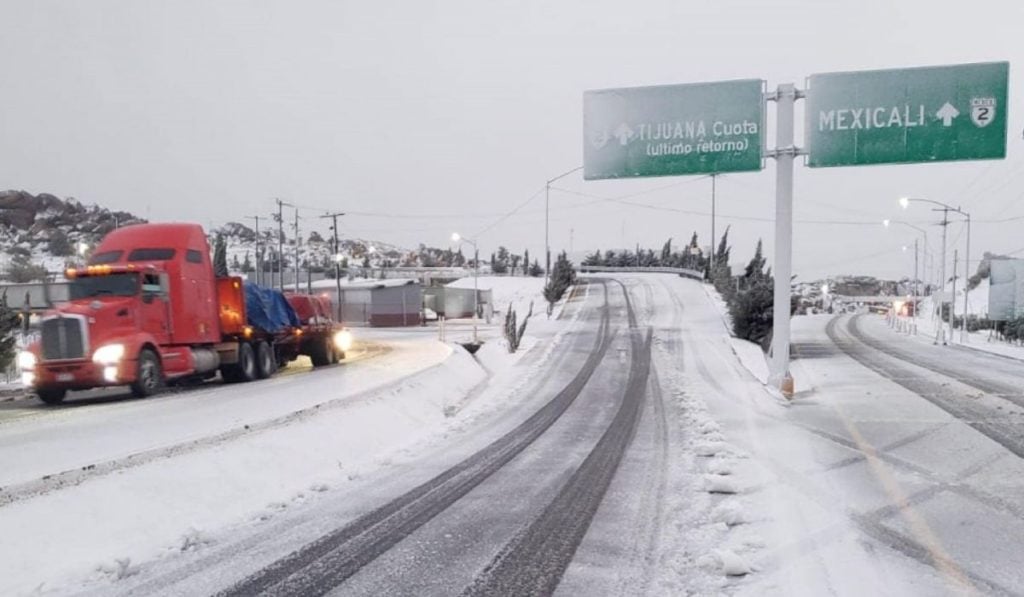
(983, 111)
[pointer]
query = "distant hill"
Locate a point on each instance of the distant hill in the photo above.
(315, 250)
(41, 233)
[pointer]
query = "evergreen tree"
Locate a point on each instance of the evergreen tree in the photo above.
(563, 275)
(247, 263)
(526, 261)
(666, 253)
(754, 271)
(10, 321)
(595, 259)
(21, 270)
(220, 256)
(59, 245)
(720, 273)
(499, 263)
(536, 270)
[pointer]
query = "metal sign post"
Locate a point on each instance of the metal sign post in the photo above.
(785, 153)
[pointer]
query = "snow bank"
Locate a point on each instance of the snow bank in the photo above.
(102, 528)
(751, 357)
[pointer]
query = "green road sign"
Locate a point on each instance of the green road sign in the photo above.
(673, 129)
(928, 114)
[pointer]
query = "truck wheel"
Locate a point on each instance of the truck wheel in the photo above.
(320, 352)
(149, 377)
(51, 395)
(266, 360)
(245, 368)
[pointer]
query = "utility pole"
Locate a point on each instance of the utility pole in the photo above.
(952, 298)
(337, 260)
(917, 291)
(967, 278)
(547, 224)
(941, 333)
(259, 258)
(296, 250)
(280, 242)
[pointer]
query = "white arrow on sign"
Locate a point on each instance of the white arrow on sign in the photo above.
(947, 113)
(623, 133)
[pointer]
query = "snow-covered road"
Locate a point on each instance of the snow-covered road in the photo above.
(626, 451)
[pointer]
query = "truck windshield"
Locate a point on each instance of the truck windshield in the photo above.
(109, 285)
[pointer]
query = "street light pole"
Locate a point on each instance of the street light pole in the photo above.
(917, 276)
(337, 260)
(259, 259)
(917, 291)
(942, 283)
(967, 279)
(945, 209)
(456, 237)
(547, 220)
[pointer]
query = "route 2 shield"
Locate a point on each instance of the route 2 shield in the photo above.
(983, 111)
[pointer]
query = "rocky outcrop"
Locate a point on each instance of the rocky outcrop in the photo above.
(33, 219)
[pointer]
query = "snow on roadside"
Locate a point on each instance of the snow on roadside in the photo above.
(766, 510)
(752, 358)
(750, 355)
(101, 529)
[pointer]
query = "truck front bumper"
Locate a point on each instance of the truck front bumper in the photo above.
(82, 374)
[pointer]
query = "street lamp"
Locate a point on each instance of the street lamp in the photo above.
(945, 209)
(457, 238)
(547, 201)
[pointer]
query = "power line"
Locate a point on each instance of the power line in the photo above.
(511, 213)
(704, 213)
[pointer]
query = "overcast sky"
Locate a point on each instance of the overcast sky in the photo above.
(446, 115)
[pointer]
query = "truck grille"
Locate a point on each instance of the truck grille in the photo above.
(63, 339)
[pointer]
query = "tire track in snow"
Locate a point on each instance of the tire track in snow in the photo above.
(875, 355)
(328, 561)
(533, 562)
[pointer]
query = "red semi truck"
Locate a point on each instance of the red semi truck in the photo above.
(148, 310)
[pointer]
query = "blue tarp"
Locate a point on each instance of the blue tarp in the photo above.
(268, 310)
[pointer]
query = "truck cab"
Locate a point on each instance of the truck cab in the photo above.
(143, 310)
(149, 308)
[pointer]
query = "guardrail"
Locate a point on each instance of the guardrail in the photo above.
(680, 271)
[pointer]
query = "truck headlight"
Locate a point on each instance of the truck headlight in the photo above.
(110, 354)
(26, 360)
(343, 340)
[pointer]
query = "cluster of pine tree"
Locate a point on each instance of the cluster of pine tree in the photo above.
(690, 257)
(504, 262)
(750, 296)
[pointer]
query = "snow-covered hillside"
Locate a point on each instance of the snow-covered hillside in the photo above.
(43, 232)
